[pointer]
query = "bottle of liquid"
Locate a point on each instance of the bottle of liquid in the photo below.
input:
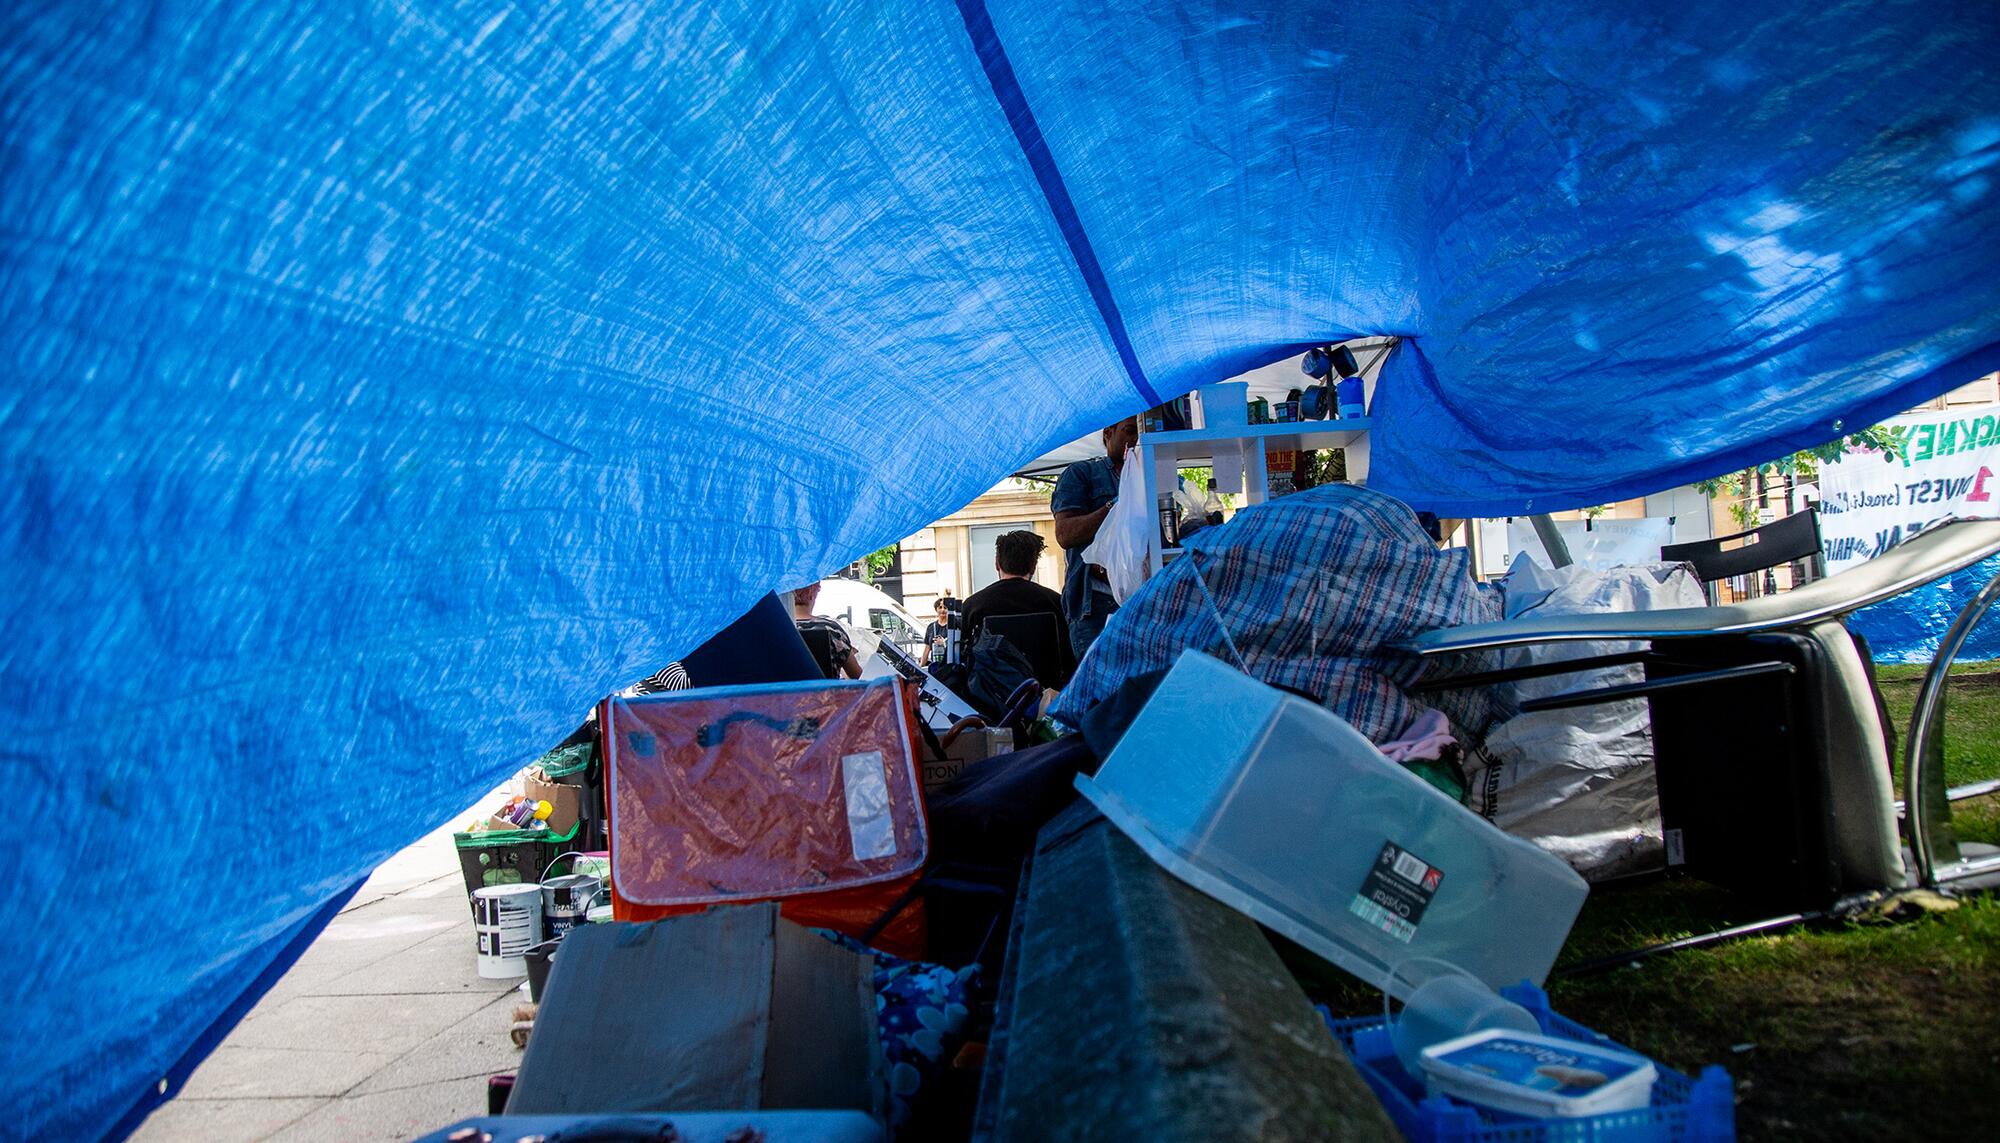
(1211, 505)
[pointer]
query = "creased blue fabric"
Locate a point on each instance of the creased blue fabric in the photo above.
(386, 381)
(1910, 627)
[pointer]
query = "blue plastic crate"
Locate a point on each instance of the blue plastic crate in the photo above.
(1683, 1110)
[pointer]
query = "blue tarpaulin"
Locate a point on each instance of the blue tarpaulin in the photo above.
(386, 381)
(1910, 627)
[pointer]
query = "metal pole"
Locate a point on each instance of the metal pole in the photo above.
(1929, 818)
(1552, 540)
(1633, 956)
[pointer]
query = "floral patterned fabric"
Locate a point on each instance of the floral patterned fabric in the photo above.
(923, 1011)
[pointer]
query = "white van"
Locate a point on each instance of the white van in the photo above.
(866, 608)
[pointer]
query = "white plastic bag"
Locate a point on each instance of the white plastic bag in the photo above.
(1579, 781)
(1120, 546)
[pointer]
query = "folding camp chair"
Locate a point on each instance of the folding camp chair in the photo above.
(1792, 539)
(1772, 756)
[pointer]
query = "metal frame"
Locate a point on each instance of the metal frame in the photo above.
(1928, 818)
(1622, 691)
(1528, 671)
(1926, 802)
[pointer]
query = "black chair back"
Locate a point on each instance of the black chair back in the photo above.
(1793, 538)
(1038, 636)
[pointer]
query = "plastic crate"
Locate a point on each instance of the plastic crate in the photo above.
(568, 763)
(1683, 1110)
(507, 856)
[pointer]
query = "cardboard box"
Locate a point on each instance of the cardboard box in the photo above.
(567, 800)
(969, 747)
(732, 1008)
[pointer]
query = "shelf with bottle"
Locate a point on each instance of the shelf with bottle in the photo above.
(1296, 436)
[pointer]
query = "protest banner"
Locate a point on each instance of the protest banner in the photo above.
(1870, 501)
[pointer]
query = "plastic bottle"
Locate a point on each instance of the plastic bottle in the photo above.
(525, 813)
(1211, 505)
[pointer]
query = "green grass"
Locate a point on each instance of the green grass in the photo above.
(1971, 736)
(1853, 1031)
(1843, 1031)
(1839, 1031)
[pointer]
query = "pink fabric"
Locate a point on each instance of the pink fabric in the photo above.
(1425, 738)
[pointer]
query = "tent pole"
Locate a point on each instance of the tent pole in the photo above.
(1552, 540)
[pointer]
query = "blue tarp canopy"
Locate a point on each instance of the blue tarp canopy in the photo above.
(386, 381)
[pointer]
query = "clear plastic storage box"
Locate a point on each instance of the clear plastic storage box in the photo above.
(1279, 809)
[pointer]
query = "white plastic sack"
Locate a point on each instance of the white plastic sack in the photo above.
(1120, 546)
(1579, 782)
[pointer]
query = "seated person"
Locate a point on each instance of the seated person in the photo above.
(1015, 555)
(825, 638)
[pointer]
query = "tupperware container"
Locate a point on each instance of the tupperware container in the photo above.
(1527, 1073)
(1279, 809)
(1684, 1109)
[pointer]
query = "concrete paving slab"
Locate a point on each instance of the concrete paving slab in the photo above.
(234, 1072)
(452, 887)
(305, 979)
(374, 1024)
(357, 939)
(222, 1121)
(379, 930)
(424, 858)
(390, 1116)
(382, 1030)
(446, 963)
(475, 1047)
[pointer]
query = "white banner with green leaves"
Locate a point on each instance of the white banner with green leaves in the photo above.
(1870, 501)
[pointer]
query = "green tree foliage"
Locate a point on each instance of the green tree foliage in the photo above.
(1892, 441)
(880, 561)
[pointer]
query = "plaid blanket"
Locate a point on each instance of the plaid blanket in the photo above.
(1306, 592)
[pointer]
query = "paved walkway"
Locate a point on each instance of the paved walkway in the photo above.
(383, 1030)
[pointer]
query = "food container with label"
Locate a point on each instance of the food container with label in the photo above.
(1279, 809)
(1526, 1073)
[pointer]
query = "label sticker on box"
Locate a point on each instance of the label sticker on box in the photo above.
(870, 830)
(1542, 1063)
(1397, 890)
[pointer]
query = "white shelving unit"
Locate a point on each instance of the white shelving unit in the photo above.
(1163, 455)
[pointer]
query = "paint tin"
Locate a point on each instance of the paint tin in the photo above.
(506, 919)
(566, 901)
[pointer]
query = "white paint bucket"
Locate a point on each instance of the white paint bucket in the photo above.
(506, 919)
(567, 899)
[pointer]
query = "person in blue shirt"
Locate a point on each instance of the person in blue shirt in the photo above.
(1082, 498)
